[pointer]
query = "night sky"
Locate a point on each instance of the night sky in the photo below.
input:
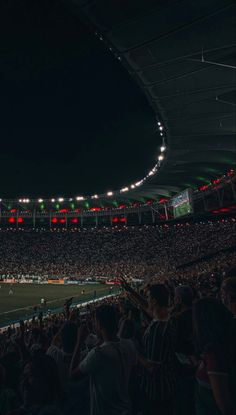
(72, 120)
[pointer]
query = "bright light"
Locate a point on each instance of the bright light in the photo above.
(151, 173)
(159, 123)
(132, 186)
(0, 200)
(138, 183)
(40, 200)
(163, 148)
(109, 193)
(52, 200)
(95, 197)
(80, 198)
(160, 158)
(60, 199)
(160, 128)
(125, 189)
(161, 134)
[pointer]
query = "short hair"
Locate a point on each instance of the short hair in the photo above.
(107, 317)
(160, 293)
(69, 336)
(229, 287)
(185, 292)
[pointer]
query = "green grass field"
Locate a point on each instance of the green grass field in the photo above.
(182, 210)
(26, 296)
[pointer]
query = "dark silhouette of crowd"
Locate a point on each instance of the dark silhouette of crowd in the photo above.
(111, 252)
(165, 348)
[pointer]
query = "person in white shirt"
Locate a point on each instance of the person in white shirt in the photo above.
(109, 366)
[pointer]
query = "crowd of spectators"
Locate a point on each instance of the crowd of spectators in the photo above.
(110, 252)
(164, 348)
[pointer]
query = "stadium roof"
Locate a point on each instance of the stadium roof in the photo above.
(182, 55)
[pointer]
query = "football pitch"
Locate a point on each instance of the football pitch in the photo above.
(20, 305)
(182, 210)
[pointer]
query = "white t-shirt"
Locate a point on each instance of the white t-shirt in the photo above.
(109, 367)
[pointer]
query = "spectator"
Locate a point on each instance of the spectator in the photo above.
(40, 387)
(62, 348)
(228, 292)
(8, 398)
(185, 370)
(109, 366)
(158, 383)
(212, 326)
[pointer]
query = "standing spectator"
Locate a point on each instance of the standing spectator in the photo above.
(8, 397)
(109, 366)
(228, 292)
(61, 350)
(158, 384)
(185, 369)
(40, 387)
(212, 327)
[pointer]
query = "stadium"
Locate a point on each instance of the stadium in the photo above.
(118, 208)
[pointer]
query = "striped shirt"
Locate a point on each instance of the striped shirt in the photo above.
(159, 346)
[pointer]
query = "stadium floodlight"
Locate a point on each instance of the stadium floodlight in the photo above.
(80, 198)
(159, 123)
(125, 189)
(161, 157)
(40, 200)
(109, 193)
(163, 148)
(60, 199)
(160, 128)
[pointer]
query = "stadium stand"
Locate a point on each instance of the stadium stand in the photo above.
(142, 251)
